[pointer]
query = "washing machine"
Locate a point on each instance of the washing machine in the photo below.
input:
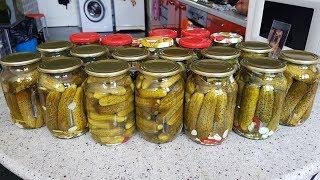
(96, 15)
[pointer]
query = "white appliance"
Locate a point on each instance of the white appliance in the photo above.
(304, 15)
(129, 16)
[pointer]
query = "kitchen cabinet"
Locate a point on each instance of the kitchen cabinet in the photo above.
(217, 24)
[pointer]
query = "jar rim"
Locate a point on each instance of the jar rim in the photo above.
(54, 46)
(130, 53)
(176, 54)
(220, 52)
(88, 51)
(107, 68)
(264, 65)
(160, 68)
(299, 57)
(20, 59)
(213, 68)
(60, 65)
(254, 47)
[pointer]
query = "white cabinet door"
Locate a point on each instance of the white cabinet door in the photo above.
(58, 15)
(129, 17)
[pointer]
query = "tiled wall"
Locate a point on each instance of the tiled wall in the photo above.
(27, 6)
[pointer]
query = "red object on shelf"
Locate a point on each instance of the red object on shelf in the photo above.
(85, 38)
(193, 42)
(117, 40)
(170, 33)
(198, 32)
(217, 24)
(35, 15)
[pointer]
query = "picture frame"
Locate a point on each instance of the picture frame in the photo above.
(278, 36)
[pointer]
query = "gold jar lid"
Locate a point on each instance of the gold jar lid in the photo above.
(160, 68)
(88, 51)
(212, 68)
(299, 57)
(54, 46)
(20, 59)
(264, 65)
(254, 47)
(220, 52)
(60, 65)
(107, 68)
(131, 54)
(176, 54)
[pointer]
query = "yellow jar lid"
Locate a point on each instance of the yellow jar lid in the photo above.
(156, 42)
(160, 68)
(130, 54)
(254, 47)
(60, 65)
(219, 52)
(88, 51)
(299, 57)
(176, 54)
(20, 59)
(264, 65)
(107, 68)
(212, 68)
(55, 46)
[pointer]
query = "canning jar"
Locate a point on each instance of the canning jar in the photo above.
(159, 100)
(196, 44)
(61, 94)
(227, 39)
(55, 49)
(114, 41)
(134, 56)
(89, 53)
(210, 101)
(302, 78)
(227, 54)
(19, 85)
(262, 89)
(109, 93)
(85, 38)
(253, 49)
(196, 32)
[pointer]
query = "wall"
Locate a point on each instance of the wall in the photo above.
(27, 6)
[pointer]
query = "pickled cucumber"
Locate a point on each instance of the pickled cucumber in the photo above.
(190, 87)
(147, 103)
(232, 98)
(304, 74)
(94, 125)
(265, 104)
(113, 99)
(193, 110)
(164, 116)
(13, 106)
(112, 109)
(220, 113)
(157, 93)
(78, 114)
(51, 84)
(168, 82)
(171, 100)
(106, 118)
(117, 131)
(148, 126)
(147, 82)
(52, 101)
(65, 116)
(177, 117)
(108, 140)
(279, 97)
(22, 82)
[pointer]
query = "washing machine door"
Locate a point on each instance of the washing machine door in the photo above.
(94, 10)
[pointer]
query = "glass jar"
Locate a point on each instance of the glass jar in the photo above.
(89, 53)
(196, 32)
(226, 39)
(227, 54)
(156, 44)
(85, 38)
(55, 49)
(196, 44)
(262, 89)
(210, 101)
(61, 93)
(134, 56)
(159, 100)
(302, 76)
(114, 41)
(19, 85)
(253, 49)
(109, 94)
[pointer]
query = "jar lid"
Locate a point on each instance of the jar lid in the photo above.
(299, 57)
(264, 65)
(60, 65)
(176, 54)
(131, 54)
(212, 68)
(254, 47)
(160, 68)
(20, 59)
(107, 68)
(192, 42)
(198, 32)
(156, 42)
(85, 37)
(88, 51)
(117, 40)
(170, 33)
(55, 46)
(219, 52)
(226, 38)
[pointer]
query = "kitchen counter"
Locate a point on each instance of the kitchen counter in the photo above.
(230, 15)
(292, 153)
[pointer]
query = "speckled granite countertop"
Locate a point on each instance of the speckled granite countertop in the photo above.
(292, 153)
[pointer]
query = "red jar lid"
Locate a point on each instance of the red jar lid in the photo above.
(85, 38)
(199, 32)
(192, 42)
(169, 33)
(117, 40)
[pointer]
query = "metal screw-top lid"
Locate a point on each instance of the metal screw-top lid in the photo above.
(107, 68)
(20, 59)
(219, 52)
(176, 54)
(60, 65)
(88, 51)
(131, 54)
(264, 65)
(55, 46)
(254, 47)
(160, 68)
(212, 68)
(299, 57)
